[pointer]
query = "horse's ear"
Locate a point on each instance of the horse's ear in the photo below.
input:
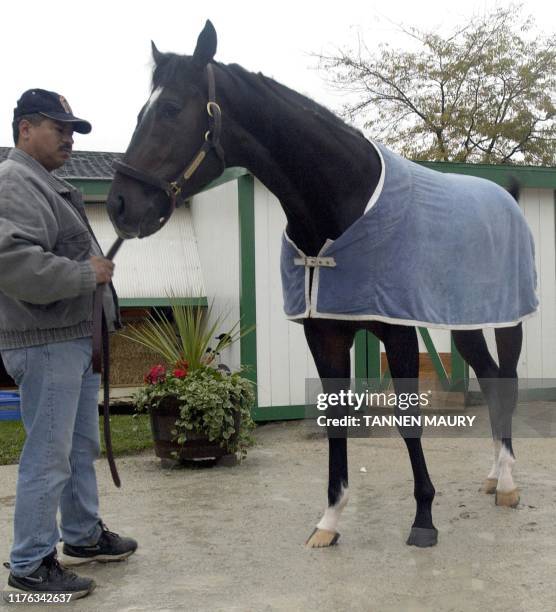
(158, 57)
(206, 46)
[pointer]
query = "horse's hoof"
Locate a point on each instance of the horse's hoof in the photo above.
(510, 499)
(422, 537)
(321, 538)
(489, 486)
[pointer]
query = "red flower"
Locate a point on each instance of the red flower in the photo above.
(156, 374)
(178, 373)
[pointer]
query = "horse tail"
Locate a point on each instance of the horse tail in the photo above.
(514, 188)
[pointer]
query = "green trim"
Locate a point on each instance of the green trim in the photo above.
(95, 190)
(460, 370)
(145, 302)
(435, 358)
(368, 360)
(368, 365)
(247, 282)
(367, 355)
(374, 369)
(527, 176)
(360, 361)
(278, 413)
(367, 346)
(230, 174)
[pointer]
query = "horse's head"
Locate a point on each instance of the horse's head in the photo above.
(175, 149)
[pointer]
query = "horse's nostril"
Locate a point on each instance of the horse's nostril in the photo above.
(120, 206)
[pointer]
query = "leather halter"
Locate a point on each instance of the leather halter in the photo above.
(174, 188)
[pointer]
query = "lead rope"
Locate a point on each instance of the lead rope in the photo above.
(101, 357)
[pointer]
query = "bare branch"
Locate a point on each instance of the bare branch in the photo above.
(483, 91)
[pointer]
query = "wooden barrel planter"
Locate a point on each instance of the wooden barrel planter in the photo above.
(197, 447)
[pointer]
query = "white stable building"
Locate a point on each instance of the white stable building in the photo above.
(249, 223)
(224, 247)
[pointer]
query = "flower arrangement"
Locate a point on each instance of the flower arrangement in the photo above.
(210, 400)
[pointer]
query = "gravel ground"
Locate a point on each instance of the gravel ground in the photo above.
(232, 538)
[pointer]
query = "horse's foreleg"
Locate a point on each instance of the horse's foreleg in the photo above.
(326, 531)
(330, 343)
(402, 351)
(423, 532)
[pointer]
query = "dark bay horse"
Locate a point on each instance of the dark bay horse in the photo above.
(203, 116)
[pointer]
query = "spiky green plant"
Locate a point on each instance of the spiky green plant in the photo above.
(211, 402)
(189, 338)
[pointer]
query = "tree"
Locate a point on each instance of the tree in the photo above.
(484, 93)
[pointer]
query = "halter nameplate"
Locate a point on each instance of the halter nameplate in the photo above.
(194, 165)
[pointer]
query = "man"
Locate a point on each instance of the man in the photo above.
(50, 265)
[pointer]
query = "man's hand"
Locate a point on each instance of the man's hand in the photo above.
(104, 269)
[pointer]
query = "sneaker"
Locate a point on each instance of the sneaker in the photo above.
(110, 547)
(51, 577)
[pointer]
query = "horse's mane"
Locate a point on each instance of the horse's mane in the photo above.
(289, 96)
(174, 67)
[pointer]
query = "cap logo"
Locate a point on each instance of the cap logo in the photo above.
(65, 105)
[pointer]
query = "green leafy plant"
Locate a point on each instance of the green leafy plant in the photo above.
(212, 402)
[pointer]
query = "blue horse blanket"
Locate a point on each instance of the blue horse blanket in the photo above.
(432, 249)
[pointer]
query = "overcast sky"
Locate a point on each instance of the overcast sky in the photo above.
(97, 53)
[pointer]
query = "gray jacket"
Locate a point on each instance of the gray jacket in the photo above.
(46, 279)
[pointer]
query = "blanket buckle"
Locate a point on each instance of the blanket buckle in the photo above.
(315, 262)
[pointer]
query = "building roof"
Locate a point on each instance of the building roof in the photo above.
(82, 164)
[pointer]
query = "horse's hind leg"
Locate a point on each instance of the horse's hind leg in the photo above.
(508, 345)
(472, 346)
(402, 351)
(499, 387)
(330, 343)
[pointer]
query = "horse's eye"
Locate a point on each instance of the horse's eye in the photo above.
(169, 111)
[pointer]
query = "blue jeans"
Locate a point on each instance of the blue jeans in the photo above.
(59, 408)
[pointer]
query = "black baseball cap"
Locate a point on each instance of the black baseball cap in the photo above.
(51, 105)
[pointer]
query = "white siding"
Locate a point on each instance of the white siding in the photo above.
(539, 332)
(216, 225)
(537, 359)
(203, 243)
(284, 361)
(163, 264)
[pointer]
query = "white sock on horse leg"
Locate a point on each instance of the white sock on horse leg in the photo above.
(331, 516)
(494, 470)
(505, 465)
